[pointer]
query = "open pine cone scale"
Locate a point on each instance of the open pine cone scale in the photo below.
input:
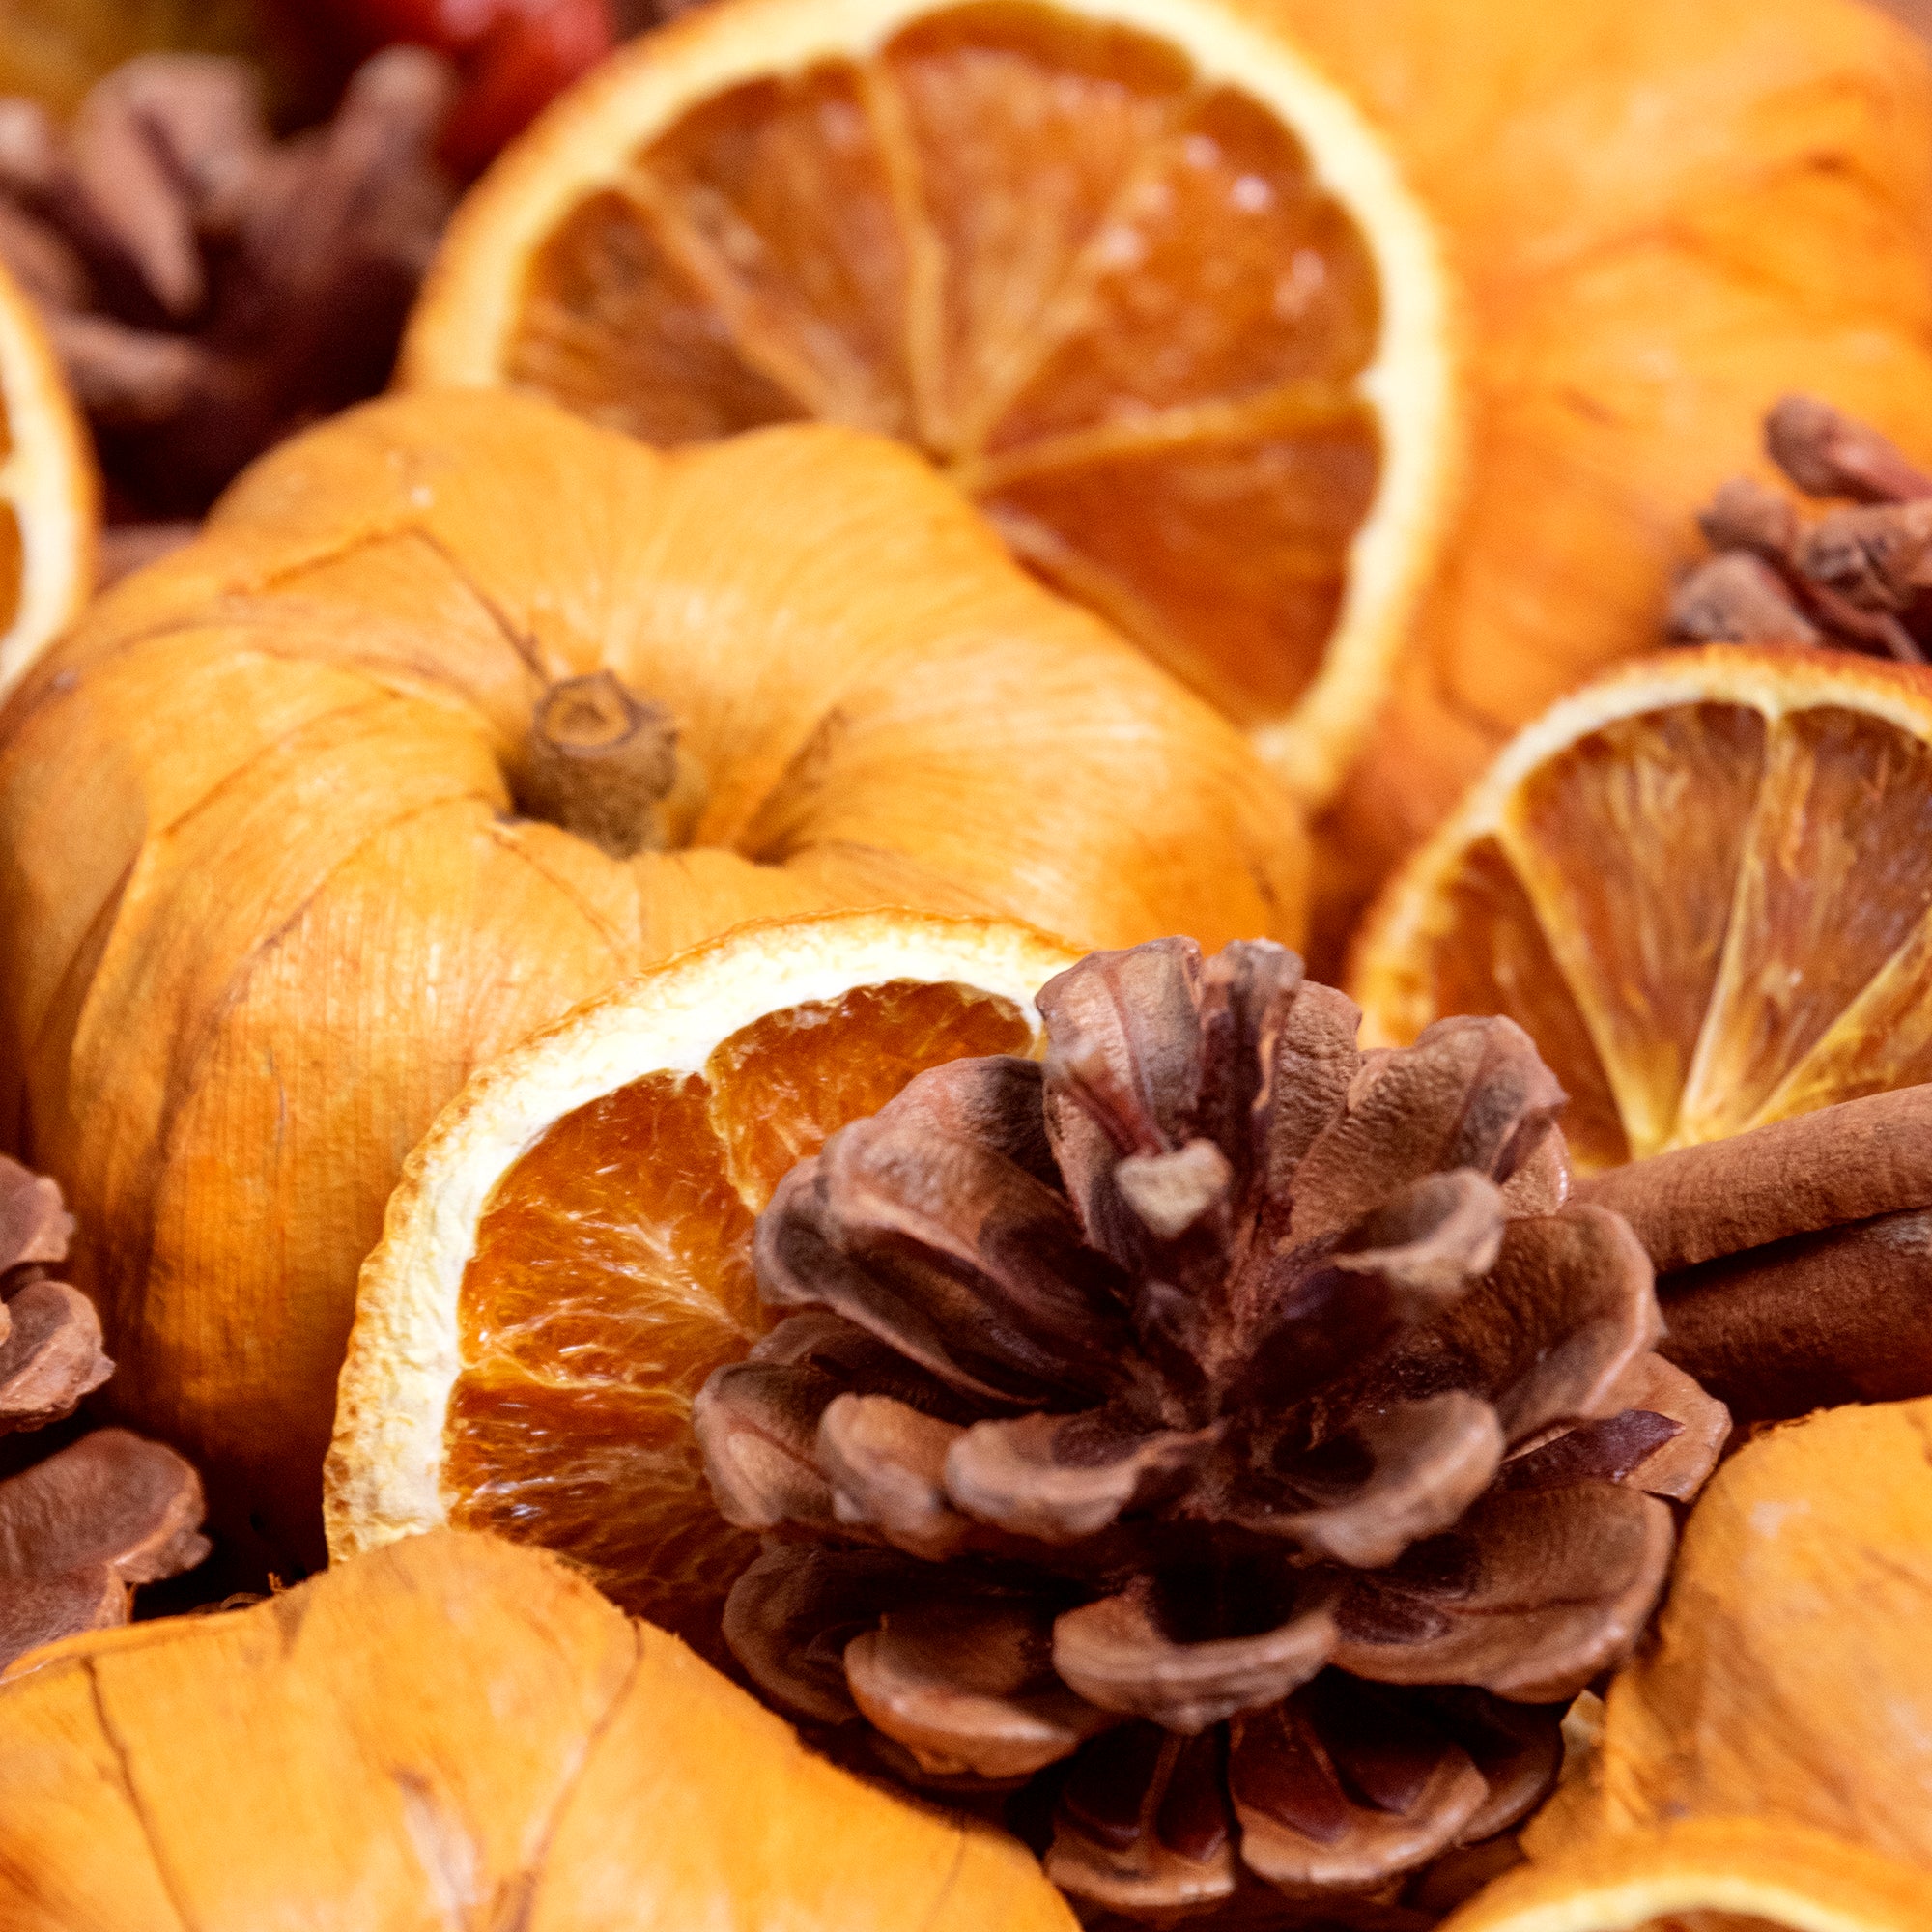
(1244, 1416)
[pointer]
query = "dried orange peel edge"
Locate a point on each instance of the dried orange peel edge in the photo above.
(1762, 1874)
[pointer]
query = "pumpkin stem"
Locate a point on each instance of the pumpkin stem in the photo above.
(604, 763)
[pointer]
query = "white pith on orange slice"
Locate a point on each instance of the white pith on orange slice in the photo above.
(1132, 273)
(1706, 1875)
(568, 1255)
(49, 492)
(1704, 886)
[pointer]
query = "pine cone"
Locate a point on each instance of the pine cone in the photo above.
(1857, 579)
(81, 1527)
(1241, 1416)
(209, 288)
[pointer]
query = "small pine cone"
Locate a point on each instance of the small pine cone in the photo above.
(1859, 578)
(1241, 1416)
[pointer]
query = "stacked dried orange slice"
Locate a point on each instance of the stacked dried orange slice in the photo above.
(569, 1254)
(1130, 272)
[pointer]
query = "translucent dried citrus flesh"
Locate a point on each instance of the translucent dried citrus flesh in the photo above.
(1112, 300)
(612, 1273)
(1710, 913)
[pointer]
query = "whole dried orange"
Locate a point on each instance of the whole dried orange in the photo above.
(568, 1256)
(1704, 886)
(1708, 1875)
(456, 1734)
(1131, 271)
(49, 494)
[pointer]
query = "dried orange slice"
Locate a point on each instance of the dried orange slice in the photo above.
(1703, 884)
(568, 1255)
(1707, 1875)
(1130, 272)
(49, 492)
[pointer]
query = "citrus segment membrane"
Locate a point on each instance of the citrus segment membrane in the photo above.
(1106, 290)
(1706, 891)
(611, 1273)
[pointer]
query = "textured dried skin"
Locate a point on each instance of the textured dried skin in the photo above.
(451, 1730)
(1789, 1679)
(1791, 1259)
(292, 751)
(80, 1529)
(1238, 1428)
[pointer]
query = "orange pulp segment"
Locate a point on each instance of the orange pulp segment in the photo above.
(612, 1273)
(1703, 885)
(1148, 304)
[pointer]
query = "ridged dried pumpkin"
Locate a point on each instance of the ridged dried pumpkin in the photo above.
(453, 1733)
(268, 898)
(1664, 217)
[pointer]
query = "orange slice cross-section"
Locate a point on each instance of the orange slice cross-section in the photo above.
(49, 494)
(1703, 884)
(569, 1254)
(1130, 272)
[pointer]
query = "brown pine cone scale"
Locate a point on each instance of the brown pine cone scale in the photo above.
(1247, 1419)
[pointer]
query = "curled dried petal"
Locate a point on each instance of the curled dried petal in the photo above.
(1678, 1467)
(50, 1354)
(1469, 1094)
(1118, 1655)
(792, 1613)
(1429, 1461)
(1428, 1242)
(1169, 1193)
(1342, 1785)
(1567, 1310)
(941, 1245)
(35, 1227)
(42, 1610)
(756, 1425)
(1532, 1595)
(887, 1464)
(1142, 1824)
(968, 1688)
(112, 1497)
(1062, 1478)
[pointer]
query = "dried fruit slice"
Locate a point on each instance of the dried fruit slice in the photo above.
(568, 1256)
(49, 494)
(1709, 1875)
(1130, 272)
(1703, 885)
